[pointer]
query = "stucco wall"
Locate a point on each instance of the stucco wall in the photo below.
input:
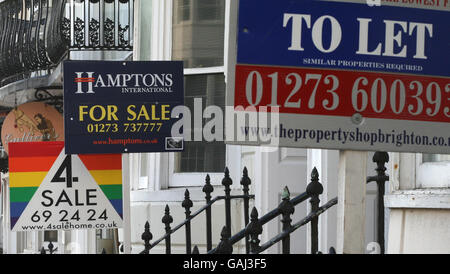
(419, 231)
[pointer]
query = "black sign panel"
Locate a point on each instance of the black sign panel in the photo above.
(121, 107)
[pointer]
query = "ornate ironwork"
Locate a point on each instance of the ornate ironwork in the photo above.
(79, 33)
(122, 41)
(94, 33)
(35, 35)
(58, 33)
(43, 95)
(109, 33)
(65, 29)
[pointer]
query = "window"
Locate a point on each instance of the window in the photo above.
(201, 46)
(143, 171)
(210, 10)
(416, 171)
(429, 158)
(194, 32)
(198, 156)
(183, 10)
(433, 171)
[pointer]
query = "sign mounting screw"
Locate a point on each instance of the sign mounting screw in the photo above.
(357, 119)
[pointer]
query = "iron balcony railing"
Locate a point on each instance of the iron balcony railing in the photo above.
(36, 35)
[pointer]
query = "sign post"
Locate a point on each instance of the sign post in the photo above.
(126, 205)
(351, 202)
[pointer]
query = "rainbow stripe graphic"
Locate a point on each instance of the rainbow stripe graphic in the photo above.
(106, 169)
(30, 162)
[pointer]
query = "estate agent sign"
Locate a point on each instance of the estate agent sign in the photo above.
(50, 190)
(117, 107)
(344, 75)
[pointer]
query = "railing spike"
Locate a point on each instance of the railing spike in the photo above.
(286, 193)
(51, 248)
(254, 229)
(286, 208)
(254, 214)
(380, 156)
(314, 174)
(332, 250)
(314, 187)
(245, 182)
(147, 236)
(195, 250)
(167, 218)
(208, 188)
(227, 181)
(225, 247)
(224, 233)
(187, 204)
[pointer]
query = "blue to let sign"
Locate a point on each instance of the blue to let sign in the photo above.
(344, 35)
(121, 107)
(340, 74)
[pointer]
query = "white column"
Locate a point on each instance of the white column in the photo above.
(351, 202)
(126, 204)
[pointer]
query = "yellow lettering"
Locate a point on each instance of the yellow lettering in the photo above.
(102, 113)
(144, 113)
(131, 111)
(154, 118)
(165, 112)
(82, 112)
(112, 110)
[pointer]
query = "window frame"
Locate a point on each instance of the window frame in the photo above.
(161, 166)
(408, 172)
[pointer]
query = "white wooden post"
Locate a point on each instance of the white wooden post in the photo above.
(351, 209)
(126, 204)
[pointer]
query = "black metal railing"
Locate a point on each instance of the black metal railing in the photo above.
(380, 158)
(253, 224)
(51, 249)
(36, 35)
(187, 204)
